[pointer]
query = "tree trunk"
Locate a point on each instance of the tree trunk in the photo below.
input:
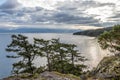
(62, 66)
(72, 59)
(48, 60)
(30, 65)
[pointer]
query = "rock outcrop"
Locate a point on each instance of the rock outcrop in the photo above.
(44, 76)
(108, 68)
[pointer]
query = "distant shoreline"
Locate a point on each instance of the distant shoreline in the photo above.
(93, 32)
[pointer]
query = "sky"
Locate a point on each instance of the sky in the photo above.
(2, 1)
(31, 13)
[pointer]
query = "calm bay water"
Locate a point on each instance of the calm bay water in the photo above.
(86, 45)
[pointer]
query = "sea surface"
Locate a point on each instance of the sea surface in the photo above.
(86, 45)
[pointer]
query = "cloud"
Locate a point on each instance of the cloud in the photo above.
(10, 4)
(84, 12)
(2, 14)
(72, 19)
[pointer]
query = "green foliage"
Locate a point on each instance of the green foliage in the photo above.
(24, 51)
(61, 57)
(40, 69)
(43, 48)
(111, 40)
(110, 65)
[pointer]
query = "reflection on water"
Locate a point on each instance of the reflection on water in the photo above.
(88, 46)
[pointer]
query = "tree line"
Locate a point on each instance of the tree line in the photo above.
(61, 57)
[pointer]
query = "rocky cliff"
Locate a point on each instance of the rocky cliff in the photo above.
(108, 68)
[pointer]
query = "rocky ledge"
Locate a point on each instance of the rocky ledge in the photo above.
(44, 76)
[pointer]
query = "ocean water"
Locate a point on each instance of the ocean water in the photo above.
(88, 46)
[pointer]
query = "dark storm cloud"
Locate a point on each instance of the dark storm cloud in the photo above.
(31, 10)
(82, 5)
(10, 4)
(20, 12)
(2, 14)
(9, 7)
(72, 19)
(62, 17)
(95, 4)
(8, 11)
(117, 15)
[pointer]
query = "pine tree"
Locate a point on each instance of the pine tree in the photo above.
(25, 53)
(59, 55)
(65, 57)
(74, 54)
(44, 50)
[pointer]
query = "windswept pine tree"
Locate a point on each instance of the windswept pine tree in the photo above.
(76, 60)
(44, 50)
(67, 58)
(24, 52)
(60, 55)
(74, 54)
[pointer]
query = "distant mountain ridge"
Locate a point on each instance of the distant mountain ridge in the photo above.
(37, 30)
(93, 32)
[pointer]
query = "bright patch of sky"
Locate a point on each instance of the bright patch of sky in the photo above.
(2, 1)
(47, 4)
(102, 13)
(66, 12)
